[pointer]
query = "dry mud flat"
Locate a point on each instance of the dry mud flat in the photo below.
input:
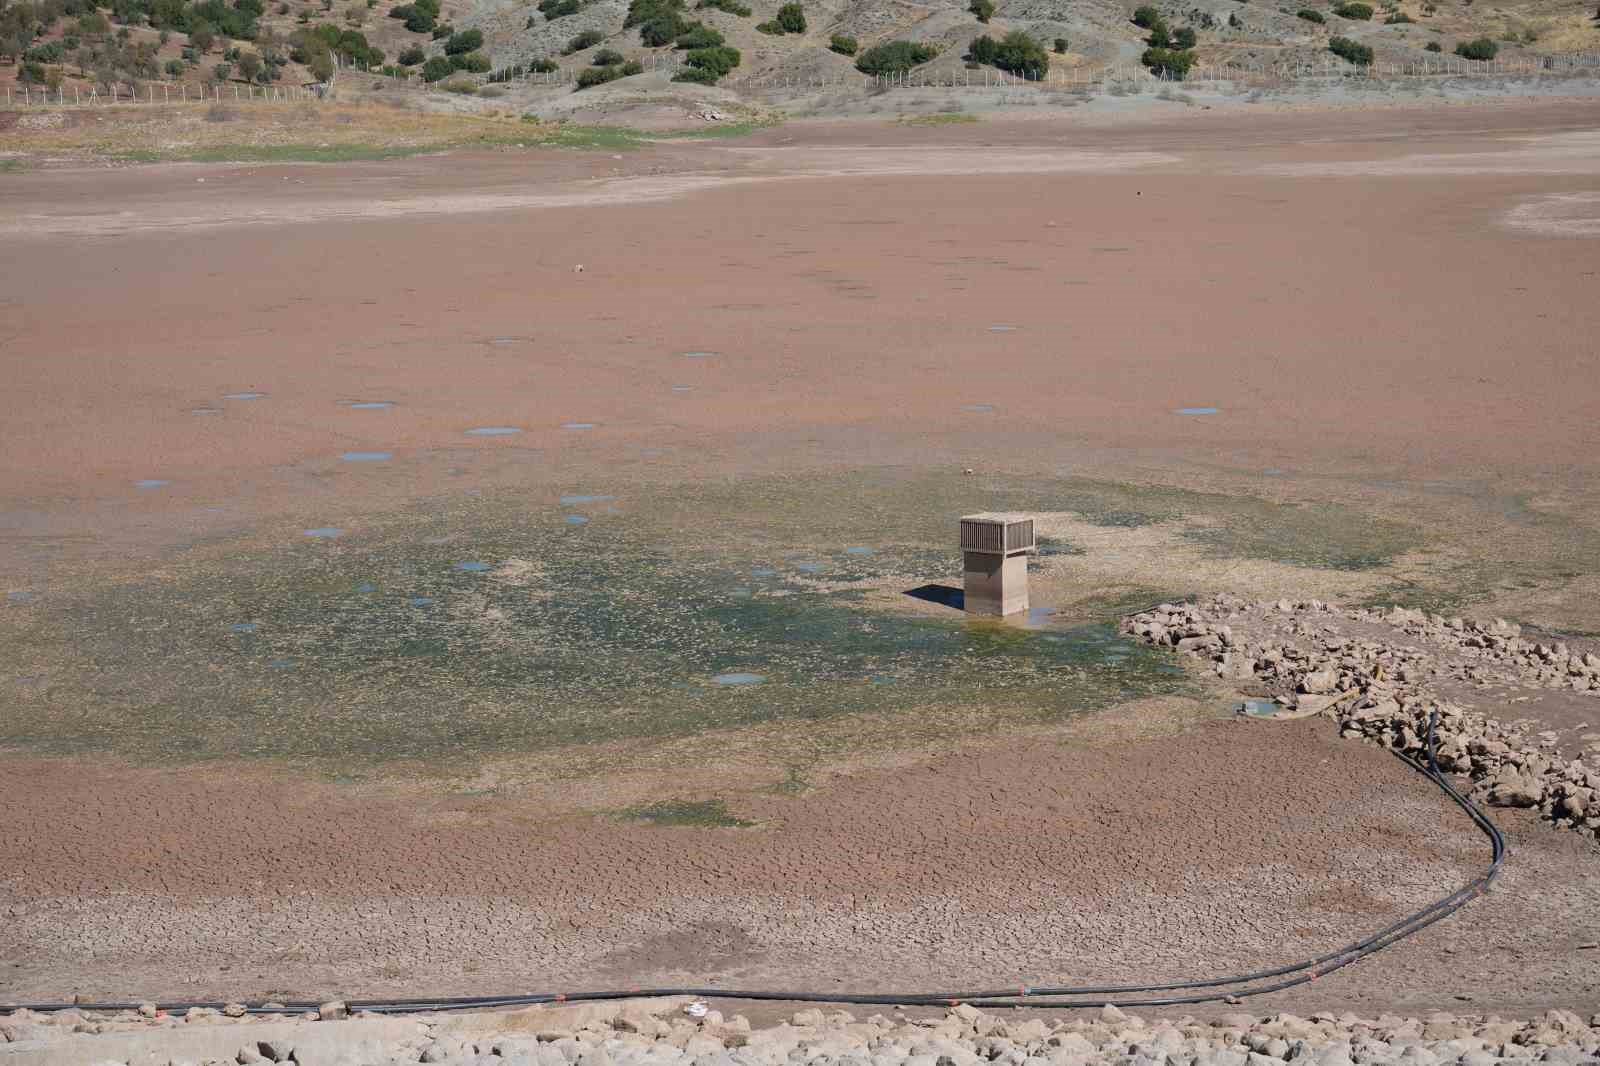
(285, 360)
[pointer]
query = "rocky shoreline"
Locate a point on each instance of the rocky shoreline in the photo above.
(1379, 674)
(674, 1032)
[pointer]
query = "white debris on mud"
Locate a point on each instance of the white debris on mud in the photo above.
(965, 1036)
(1379, 673)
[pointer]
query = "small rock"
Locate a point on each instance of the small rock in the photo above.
(333, 1010)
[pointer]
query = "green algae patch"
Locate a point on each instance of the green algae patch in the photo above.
(698, 814)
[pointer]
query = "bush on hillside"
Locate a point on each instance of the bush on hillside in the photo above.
(696, 76)
(1351, 51)
(659, 21)
(437, 69)
(592, 76)
(1185, 38)
(1481, 49)
(410, 57)
(461, 43)
(1355, 11)
(719, 59)
(608, 57)
(472, 63)
(1432, 46)
(1016, 53)
(586, 39)
(982, 9)
(732, 7)
(698, 35)
(1399, 18)
(792, 18)
(1145, 17)
(1312, 16)
(1168, 62)
(1061, 46)
(845, 46)
(896, 57)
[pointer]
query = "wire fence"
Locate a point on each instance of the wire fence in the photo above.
(1115, 77)
(154, 92)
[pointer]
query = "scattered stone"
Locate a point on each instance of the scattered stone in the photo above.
(333, 1011)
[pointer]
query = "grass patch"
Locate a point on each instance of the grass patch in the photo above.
(697, 814)
(12, 166)
(939, 118)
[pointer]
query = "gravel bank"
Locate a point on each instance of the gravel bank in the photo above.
(1379, 673)
(663, 1035)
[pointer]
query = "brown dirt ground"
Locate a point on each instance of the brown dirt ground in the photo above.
(1364, 323)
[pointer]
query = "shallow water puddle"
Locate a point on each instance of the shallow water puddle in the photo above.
(574, 501)
(977, 408)
(473, 567)
(577, 425)
(493, 431)
(244, 395)
(739, 678)
(366, 457)
(1197, 411)
(367, 405)
(576, 520)
(151, 483)
(327, 532)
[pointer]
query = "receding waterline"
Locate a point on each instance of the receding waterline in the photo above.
(493, 431)
(366, 457)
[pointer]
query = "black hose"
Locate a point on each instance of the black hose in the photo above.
(1181, 992)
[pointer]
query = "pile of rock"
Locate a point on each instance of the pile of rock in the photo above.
(1383, 686)
(964, 1036)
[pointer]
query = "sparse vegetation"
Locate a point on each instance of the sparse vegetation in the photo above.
(1061, 46)
(1399, 18)
(1146, 17)
(716, 61)
(983, 10)
(1482, 49)
(1432, 46)
(463, 42)
(437, 69)
(700, 814)
(559, 9)
(845, 46)
(1185, 38)
(608, 57)
(1351, 51)
(1312, 16)
(732, 7)
(586, 39)
(1356, 12)
(895, 57)
(412, 55)
(1016, 53)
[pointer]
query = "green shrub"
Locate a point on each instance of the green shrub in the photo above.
(1160, 36)
(1399, 18)
(696, 75)
(1312, 16)
(1356, 11)
(410, 57)
(491, 91)
(1146, 17)
(1432, 46)
(732, 7)
(632, 67)
(175, 68)
(441, 32)
(983, 9)
(896, 57)
(464, 86)
(1185, 38)
(544, 66)
(771, 29)
(1481, 49)
(1016, 53)
(1168, 63)
(1061, 46)
(792, 18)
(558, 9)
(437, 68)
(472, 63)
(659, 21)
(845, 46)
(607, 57)
(586, 39)
(593, 76)
(719, 60)
(44, 53)
(461, 43)
(698, 35)
(1234, 21)
(1351, 51)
